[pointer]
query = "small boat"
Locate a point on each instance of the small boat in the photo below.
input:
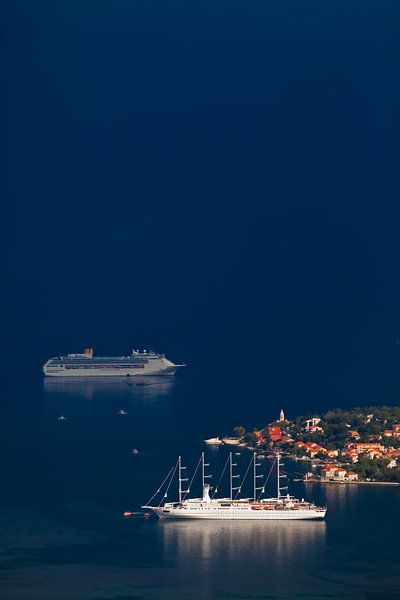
(214, 441)
(122, 412)
(134, 451)
(130, 513)
(231, 441)
(61, 418)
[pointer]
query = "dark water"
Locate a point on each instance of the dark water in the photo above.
(216, 180)
(66, 484)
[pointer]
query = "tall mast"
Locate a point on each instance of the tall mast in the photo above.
(203, 470)
(255, 476)
(278, 475)
(230, 476)
(179, 478)
(205, 487)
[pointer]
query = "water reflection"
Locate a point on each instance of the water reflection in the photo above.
(89, 388)
(235, 553)
(104, 396)
(212, 538)
(341, 499)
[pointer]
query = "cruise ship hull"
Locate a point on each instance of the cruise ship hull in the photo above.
(138, 364)
(87, 372)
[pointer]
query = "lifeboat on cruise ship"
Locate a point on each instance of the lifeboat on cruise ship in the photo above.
(256, 507)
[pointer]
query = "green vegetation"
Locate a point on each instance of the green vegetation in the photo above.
(335, 433)
(376, 470)
(239, 431)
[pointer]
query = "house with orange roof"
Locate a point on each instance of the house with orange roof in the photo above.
(275, 433)
(340, 473)
(315, 429)
(300, 444)
(334, 473)
(332, 453)
(351, 454)
(364, 447)
(312, 449)
(374, 454)
(260, 439)
(328, 472)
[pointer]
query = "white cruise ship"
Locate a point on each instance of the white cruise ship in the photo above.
(87, 365)
(259, 507)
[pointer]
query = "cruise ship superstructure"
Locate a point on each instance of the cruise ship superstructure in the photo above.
(259, 507)
(88, 365)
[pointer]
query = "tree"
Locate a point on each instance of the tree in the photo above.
(239, 431)
(251, 438)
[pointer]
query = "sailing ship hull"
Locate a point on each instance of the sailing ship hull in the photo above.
(241, 514)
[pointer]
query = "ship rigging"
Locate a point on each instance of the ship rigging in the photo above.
(282, 506)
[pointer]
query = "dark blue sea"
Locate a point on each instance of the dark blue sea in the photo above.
(65, 486)
(217, 180)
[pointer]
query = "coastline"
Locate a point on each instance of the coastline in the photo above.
(314, 480)
(359, 445)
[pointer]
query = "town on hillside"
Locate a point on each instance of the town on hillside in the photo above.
(361, 444)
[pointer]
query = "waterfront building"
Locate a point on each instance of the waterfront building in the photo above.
(339, 474)
(328, 472)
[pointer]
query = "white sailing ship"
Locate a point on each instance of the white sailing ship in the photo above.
(258, 507)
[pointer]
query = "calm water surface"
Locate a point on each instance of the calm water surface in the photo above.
(66, 484)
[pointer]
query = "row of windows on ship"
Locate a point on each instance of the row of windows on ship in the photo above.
(134, 361)
(131, 366)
